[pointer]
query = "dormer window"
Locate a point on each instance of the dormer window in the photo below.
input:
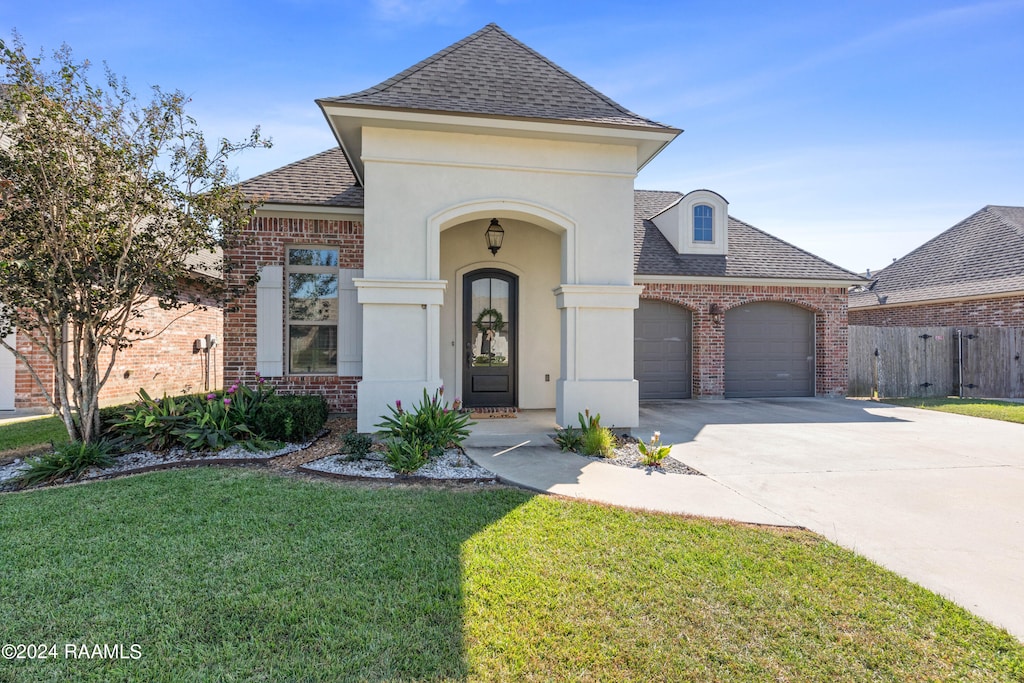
(696, 223)
(703, 224)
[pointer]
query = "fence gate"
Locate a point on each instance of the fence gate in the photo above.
(936, 361)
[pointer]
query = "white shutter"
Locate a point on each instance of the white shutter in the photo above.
(270, 322)
(350, 325)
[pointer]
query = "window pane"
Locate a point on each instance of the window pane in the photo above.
(313, 257)
(314, 348)
(490, 337)
(312, 296)
(702, 223)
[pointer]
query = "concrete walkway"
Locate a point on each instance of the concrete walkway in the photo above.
(933, 496)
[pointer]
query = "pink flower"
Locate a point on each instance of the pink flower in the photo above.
(260, 380)
(398, 405)
(227, 401)
(233, 389)
(441, 390)
(211, 396)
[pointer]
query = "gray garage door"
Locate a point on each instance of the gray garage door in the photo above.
(661, 350)
(769, 351)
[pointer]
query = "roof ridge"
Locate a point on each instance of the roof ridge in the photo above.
(423, 63)
(793, 246)
(571, 76)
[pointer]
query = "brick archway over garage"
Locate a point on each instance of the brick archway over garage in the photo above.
(829, 305)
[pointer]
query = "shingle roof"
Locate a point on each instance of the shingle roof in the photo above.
(491, 73)
(753, 253)
(982, 254)
(324, 179)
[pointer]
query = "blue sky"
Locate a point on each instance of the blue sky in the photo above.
(855, 130)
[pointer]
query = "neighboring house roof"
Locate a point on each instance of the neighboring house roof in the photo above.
(490, 73)
(982, 254)
(753, 253)
(324, 179)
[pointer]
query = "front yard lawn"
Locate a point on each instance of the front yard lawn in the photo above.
(235, 574)
(1007, 411)
(31, 436)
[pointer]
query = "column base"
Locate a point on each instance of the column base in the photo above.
(618, 401)
(374, 397)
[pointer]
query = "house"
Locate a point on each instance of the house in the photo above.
(970, 275)
(477, 228)
(177, 358)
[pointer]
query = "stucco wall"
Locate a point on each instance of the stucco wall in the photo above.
(995, 312)
(532, 253)
(271, 235)
(708, 359)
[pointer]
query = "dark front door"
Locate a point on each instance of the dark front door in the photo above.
(489, 338)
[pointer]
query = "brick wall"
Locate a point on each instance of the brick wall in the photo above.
(166, 363)
(708, 359)
(1005, 311)
(27, 393)
(163, 363)
(270, 238)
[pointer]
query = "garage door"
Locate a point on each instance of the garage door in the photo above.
(661, 350)
(7, 376)
(769, 351)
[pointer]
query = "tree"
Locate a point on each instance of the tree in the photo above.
(104, 202)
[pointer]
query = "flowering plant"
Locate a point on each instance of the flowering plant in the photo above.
(652, 454)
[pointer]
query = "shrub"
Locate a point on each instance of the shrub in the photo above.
(598, 441)
(569, 439)
(151, 423)
(431, 422)
(357, 444)
(212, 423)
(652, 455)
(406, 455)
(291, 418)
(68, 460)
(590, 439)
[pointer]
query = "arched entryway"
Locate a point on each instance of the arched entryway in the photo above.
(769, 350)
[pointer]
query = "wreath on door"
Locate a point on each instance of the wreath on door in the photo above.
(490, 319)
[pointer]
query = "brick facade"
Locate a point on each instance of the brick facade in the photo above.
(271, 236)
(1006, 311)
(162, 364)
(708, 354)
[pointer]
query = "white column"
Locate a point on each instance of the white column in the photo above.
(401, 343)
(597, 354)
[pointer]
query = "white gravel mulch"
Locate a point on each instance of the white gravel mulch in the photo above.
(145, 460)
(628, 455)
(452, 465)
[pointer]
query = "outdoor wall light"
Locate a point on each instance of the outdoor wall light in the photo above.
(716, 313)
(495, 234)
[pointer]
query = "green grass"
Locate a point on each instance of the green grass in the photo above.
(1007, 411)
(31, 435)
(241, 575)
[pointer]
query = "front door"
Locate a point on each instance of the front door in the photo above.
(489, 338)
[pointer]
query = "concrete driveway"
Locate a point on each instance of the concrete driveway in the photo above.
(938, 498)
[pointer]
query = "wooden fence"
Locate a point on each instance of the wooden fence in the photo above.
(937, 361)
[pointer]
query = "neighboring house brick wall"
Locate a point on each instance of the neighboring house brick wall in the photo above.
(27, 393)
(995, 312)
(166, 362)
(708, 355)
(162, 364)
(270, 237)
